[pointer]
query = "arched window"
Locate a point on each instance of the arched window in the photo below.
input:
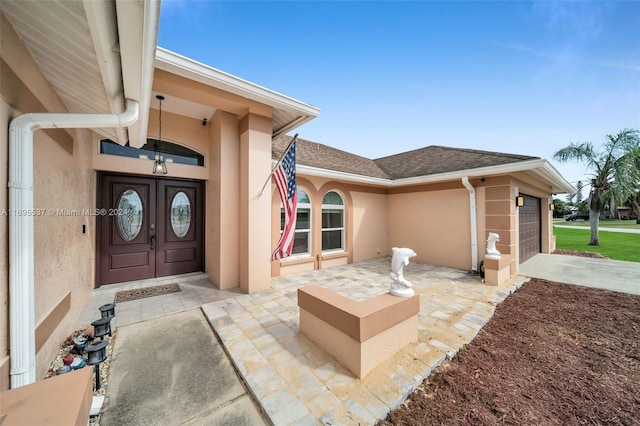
(302, 239)
(332, 222)
(173, 153)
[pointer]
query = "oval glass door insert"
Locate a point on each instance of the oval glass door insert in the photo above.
(180, 214)
(129, 216)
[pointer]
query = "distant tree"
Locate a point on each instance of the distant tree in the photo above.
(614, 166)
(560, 208)
(582, 206)
(633, 201)
(570, 199)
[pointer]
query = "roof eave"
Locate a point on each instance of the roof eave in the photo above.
(343, 176)
(138, 26)
(293, 125)
(541, 167)
(196, 71)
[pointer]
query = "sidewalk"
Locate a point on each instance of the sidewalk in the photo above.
(600, 228)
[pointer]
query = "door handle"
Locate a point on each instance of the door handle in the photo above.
(153, 241)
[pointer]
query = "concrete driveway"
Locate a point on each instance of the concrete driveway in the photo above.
(607, 274)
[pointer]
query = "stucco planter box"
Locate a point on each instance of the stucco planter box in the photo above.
(359, 334)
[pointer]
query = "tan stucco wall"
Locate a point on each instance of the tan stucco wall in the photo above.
(369, 225)
(63, 179)
(64, 256)
(177, 129)
(502, 216)
(255, 209)
(435, 224)
(222, 235)
(365, 225)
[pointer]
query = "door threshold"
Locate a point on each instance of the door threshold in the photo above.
(152, 282)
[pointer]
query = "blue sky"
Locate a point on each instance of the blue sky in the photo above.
(518, 77)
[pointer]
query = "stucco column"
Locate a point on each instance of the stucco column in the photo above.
(255, 210)
(222, 235)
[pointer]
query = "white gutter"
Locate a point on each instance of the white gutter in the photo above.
(474, 223)
(21, 237)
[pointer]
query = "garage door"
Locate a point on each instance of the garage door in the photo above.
(530, 229)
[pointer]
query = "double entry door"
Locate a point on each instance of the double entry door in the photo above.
(148, 227)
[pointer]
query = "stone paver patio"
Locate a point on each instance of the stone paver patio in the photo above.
(296, 382)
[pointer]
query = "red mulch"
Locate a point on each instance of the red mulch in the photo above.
(553, 354)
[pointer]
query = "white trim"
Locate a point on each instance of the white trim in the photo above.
(474, 223)
(138, 36)
(196, 71)
(104, 34)
(342, 228)
(342, 176)
(541, 167)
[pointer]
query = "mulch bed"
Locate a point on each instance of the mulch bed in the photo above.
(580, 253)
(141, 293)
(553, 354)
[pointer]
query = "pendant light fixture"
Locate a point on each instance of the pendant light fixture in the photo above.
(159, 165)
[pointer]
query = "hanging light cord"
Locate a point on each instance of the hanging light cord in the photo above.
(160, 99)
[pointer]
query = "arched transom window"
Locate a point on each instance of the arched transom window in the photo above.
(332, 222)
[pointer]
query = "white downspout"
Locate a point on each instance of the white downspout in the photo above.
(21, 238)
(474, 223)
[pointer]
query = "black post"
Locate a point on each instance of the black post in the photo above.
(97, 370)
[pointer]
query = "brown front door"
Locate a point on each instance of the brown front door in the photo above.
(148, 228)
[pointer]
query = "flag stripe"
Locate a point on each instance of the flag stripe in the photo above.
(285, 178)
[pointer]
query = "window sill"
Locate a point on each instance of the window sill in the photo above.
(297, 260)
(330, 255)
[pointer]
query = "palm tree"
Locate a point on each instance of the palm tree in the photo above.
(613, 167)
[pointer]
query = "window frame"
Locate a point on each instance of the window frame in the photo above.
(308, 231)
(342, 228)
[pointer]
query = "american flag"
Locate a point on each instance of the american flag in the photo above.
(285, 177)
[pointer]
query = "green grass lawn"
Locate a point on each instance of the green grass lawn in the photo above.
(604, 223)
(614, 245)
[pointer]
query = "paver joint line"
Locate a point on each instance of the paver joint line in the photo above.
(454, 306)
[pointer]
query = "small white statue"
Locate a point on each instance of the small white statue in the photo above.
(492, 252)
(400, 286)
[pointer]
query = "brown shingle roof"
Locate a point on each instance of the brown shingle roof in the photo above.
(436, 159)
(325, 157)
(420, 162)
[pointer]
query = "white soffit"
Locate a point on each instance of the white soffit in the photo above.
(181, 106)
(76, 45)
(58, 37)
(288, 113)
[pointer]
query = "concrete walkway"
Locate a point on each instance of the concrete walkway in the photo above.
(607, 274)
(173, 371)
